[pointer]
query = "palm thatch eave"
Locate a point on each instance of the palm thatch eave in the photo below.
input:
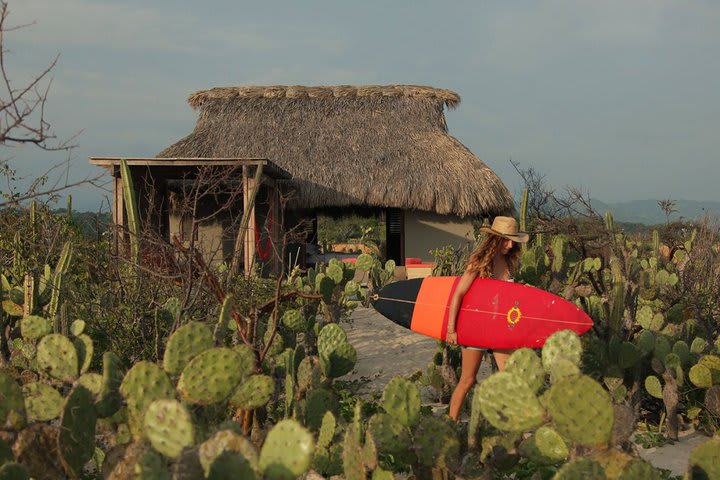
(350, 146)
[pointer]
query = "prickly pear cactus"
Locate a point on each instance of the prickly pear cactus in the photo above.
(186, 343)
(211, 377)
(13, 471)
(508, 403)
(254, 392)
(563, 344)
(436, 443)
(76, 440)
(581, 410)
(42, 402)
(544, 447)
(109, 401)
(224, 441)
(144, 383)
(584, 468)
(401, 399)
(391, 437)
(295, 320)
(34, 327)
(525, 363)
(318, 403)
(230, 465)
(12, 406)
(91, 381)
(169, 427)
(704, 462)
(337, 356)
(277, 461)
(57, 356)
(85, 349)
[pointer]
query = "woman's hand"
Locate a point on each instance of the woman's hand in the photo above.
(451, 338)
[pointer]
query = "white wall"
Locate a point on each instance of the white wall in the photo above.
(426, 231)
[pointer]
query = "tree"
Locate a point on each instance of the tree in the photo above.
(23, 121)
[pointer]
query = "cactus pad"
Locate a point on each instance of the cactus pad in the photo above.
(581, 410)
(247, 359)
(401, 399)
(85, 349)
(544, 447)
(364, 262)
(508, 403)
(639, 470)
(525, 363)
(353, 466)
(42, 402)
(57, 356)
(34, 327)
(287, 451)
(646, 341)
(91, 381)
(227, 441)
(650, 320)
(168, 426)
(436, 443)
(12, 404)
(701, 376)
(295, 320)
(335, 273)
(391, 437)
(327, 430)
(698, 345)
(653, 386)
(229, 466)
(13, 471)
(319, 402)
(704, 462)
(337, 356)
(254, 392)
(562, 344)
(211, 377)
(186, 343)
(142, 385)
(77, 328)
(628, 355)
(109, 400)
(584, 468)
(76, 440)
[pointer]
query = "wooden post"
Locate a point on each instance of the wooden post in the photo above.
(249, 188)
(276, 234)
(118, 211)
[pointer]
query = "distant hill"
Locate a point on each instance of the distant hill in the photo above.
(648, 212)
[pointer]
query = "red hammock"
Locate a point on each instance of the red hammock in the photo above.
(264, 251)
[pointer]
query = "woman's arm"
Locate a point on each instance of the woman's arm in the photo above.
(462, 288)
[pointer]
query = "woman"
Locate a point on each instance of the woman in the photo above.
(496, 257)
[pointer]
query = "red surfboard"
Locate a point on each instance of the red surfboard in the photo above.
(493, 314)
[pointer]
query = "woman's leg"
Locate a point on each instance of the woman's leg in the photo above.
(501, 357)
(470, 363)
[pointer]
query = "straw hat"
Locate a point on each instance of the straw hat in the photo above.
(506, 227)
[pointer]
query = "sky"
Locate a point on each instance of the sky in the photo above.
(617, 97)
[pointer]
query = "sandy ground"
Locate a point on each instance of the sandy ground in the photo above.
(386, 350)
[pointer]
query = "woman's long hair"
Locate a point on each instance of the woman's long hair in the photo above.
(481, 258)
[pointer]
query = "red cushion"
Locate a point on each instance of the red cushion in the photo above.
(412, 261)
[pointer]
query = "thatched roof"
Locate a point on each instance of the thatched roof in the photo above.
(378, 146)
